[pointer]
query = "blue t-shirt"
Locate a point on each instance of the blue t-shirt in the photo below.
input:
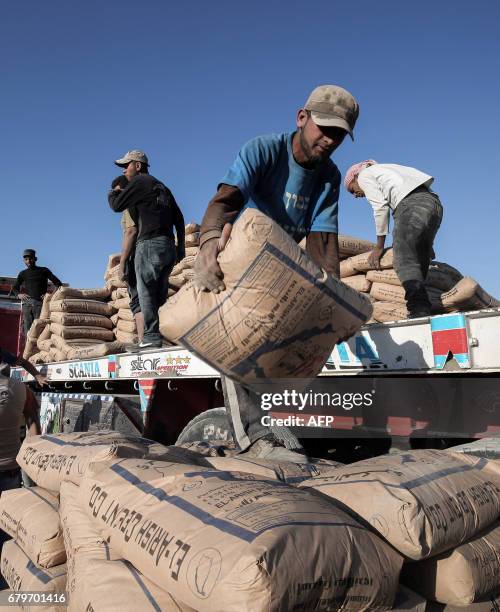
(298, 199)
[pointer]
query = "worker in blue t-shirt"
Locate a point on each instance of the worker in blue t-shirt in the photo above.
(291, 178)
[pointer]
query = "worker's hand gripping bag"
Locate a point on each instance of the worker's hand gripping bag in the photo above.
(280, 315)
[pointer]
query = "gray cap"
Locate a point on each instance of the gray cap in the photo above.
(135, 155)
(29, 253)
(333, 106)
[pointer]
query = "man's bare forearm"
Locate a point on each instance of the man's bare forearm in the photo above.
(223, 208)
(323, 248)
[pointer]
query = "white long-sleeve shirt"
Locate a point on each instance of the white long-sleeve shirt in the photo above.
(385, 185)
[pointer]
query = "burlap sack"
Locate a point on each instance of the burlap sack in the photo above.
(348, 245)
(99, 293)
(31, 516)
(360, 262)
(230, 541)
(191, 228)
(44, 345)
(82, 307)
(285, 471)
(409, 601)
(21, 574)
(358, 282)
(30, 348)
(388, 311)
(461, 576)
(125, 337)
(37, 327)
(192, 239)
(422, 502)
(125, 314)
(97, 580)
(280, 315)
(176, 281)
(190, 251)
(81, 320)
(72, 332)
(45, 312)
(127, 326)
(347, 269)
(123, 302)
(52, 459)
(120, 293)
(467, 294)
(94, 351)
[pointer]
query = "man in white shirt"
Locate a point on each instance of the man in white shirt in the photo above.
(417, 214)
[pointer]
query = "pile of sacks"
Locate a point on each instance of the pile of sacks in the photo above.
(183, 271)
(448, 290)
(124, 327)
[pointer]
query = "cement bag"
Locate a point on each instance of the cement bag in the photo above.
(120, 293)
(37, 328)
(46, 333)
(176, 281)
(52, 459)
(358, 282)
(347, 269)
(115, 283)
(280, 316)
(82, 307)
(177, 269)
(100, 293)
(191, 228)
(188, 274)
(192, 251)
(56, 354)
(127, 326)
(489, 448)
(409, 601)
(94, 351)
(171, 292)
(455, 274)
(72, 332)
(112, 272)
(123, 302)
(37, 358)
(229, 541)
(388, 293)
(439, 278)
(461, 576)
(348, 245)
(31, 516)
(388, 311)
(66, 345)
(114, 319)
(422, 502)
(285, 471)
(81, 320)
(44, 345)
(30, 348)
(45, 312)
(360, 262)
(126, 314)
(188, 262)
(387, 277)
(44, 357)
(468, 294)
(126, 337)
(192, 239)
(113, 260)
(21, 574)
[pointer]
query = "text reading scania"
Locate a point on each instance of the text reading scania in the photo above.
(86, 369)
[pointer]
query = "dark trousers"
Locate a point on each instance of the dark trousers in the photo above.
(131, 279)
(31, 311)
(245, 414)
(416, 221)
(10, 479)
(154, 260)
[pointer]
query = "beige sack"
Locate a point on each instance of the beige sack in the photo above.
(389, 311)
(56, 354)
(31, 516)
(436, 278)
(280, 315)
(82, 307)
(115, 283)
(177, 269)
(188, 274)
(127, 326)
(95, 351)
(120, 293)
(65, 345)
(100, 293)
(52, 459)
(188, 262)
(126, 314)
(491, 603)
(123, 302)
(347, 269)
(388, 293)
(230, 542)
(422, 502)
(126, 337)
(30, 348)
(37, 357)
(37, 327)
(191, 228)
(68, 333)
(358, 282)
(192, 251)
(176, 281)
(171, 292)
(113, 260)
(22, 575)
(360, 262)
(467, 294)
(112, 272)
(192, 239)
(461, 576)
(44, 345)
(114, 319)
(45, 312)
(46, 333)
(387, 277)
(81, 320)
(348, 245)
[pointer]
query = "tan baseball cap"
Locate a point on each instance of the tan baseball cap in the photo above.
(333, 106)
(135, 155)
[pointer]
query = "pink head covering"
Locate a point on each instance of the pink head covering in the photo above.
(353, 171)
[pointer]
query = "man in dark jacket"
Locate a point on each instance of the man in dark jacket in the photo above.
(35, 280)
(155, 213)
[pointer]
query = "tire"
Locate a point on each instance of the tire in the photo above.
(211, 425)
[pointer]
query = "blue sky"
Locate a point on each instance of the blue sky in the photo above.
(189, 83)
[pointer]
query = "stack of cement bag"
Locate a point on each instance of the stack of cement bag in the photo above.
(183, 271)
(161, 528)
(448, 290)
(124, 326)
(439, 509)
